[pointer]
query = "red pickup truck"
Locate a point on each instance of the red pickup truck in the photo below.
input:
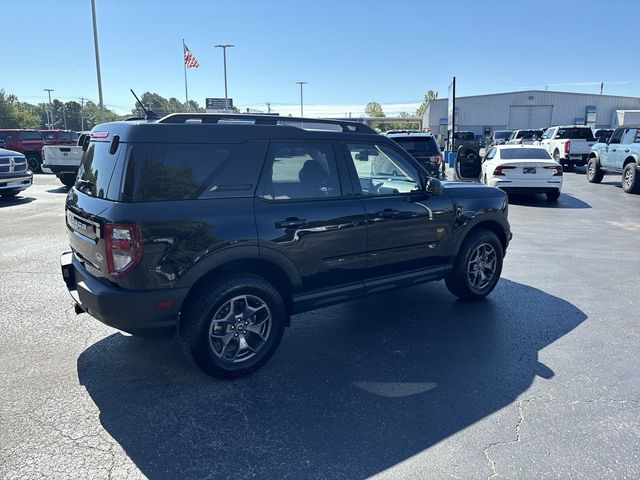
(27, 142)
(59, 137)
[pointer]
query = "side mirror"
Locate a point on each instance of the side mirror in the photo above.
(433, 187)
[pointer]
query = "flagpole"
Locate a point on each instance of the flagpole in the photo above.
(186, 93)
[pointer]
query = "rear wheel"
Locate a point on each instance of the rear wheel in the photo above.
(233, 327)
(630, 180)
(477, 267)
(68, 179)
(594, 174)
(553, 196)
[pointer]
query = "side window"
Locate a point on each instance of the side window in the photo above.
(491, 154)
(637, 139)
(629, 135)
(297, 170)
(617, 135)
(547, 133)
(382, 171)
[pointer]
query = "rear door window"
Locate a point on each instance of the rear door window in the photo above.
(575, 133)
(629, 135)
(29, 135)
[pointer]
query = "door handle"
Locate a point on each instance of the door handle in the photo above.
(613, 149)
(627, 150)
(291, 222)
(388, 213)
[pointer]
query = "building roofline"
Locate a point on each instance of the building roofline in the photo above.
(538, 91)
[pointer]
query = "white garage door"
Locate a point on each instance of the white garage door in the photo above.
(529, 116)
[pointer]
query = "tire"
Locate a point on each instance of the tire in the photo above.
(462, 281)
(231, 352)
(68, 179)
(553, 196)
(34, 162)
(594, 174)
(630, 178)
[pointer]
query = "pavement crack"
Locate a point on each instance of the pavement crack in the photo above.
(492, 463)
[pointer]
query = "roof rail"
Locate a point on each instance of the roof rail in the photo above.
(313, 123)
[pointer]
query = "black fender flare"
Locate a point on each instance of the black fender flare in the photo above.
(493, 220)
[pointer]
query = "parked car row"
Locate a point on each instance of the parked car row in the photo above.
(29, 142)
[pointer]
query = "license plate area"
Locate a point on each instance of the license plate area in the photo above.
(529, 170)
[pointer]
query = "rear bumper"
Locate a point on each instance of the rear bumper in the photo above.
(18, 182)
(60, 169)
(133, 311)
(579, 160)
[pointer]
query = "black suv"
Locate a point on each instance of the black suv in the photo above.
(422, 147)
(220, 227)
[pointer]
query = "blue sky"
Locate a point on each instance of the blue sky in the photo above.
(349, 51)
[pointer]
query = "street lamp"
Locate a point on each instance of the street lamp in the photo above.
(224, 56)
(301, 108)
(95, 45)
(49, 90)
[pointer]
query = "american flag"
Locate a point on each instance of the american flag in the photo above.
(189, 60)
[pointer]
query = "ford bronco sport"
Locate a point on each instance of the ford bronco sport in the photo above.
(220, 227)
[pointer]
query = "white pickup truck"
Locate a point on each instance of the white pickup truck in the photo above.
(63, 160)
(568, 145)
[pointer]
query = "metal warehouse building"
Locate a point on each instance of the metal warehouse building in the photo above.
(482, 114)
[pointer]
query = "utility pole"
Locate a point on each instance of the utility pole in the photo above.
(301, 103)
(49, 90)
(82, 114)
(224, 56)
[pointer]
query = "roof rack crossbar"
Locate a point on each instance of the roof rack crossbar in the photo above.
(347, 126)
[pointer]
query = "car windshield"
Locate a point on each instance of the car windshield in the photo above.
(502, 134)
(524, 154)
(575, 133)
(464, 136)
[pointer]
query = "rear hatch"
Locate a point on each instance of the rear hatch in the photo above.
(88, 205)
(531, 170)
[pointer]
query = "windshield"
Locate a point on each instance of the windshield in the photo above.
(502, 134)
(524, 154)
(464, 136)
(529, 133)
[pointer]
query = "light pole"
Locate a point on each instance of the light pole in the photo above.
(301, 107)
(224, 57)
(49, 90)
(95, 44)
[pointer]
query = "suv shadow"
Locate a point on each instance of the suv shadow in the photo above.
(354, 389)
(565, 201)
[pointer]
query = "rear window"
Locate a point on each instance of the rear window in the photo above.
(418, 146)
(164, 172)
(29, 135)
(575, 133)
(524, 153)
(464, 136)
(529, 133)
(95, 170)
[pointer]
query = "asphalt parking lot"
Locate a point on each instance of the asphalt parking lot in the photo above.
(541, 380)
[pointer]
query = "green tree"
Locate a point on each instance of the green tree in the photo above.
(430, 95)
(15, 114)
(373, 109)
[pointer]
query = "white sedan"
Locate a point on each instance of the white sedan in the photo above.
(522, 169)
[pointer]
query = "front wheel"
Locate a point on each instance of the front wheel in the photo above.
(630, 180)
(233, 327)
(594, 174)
(477, 267)
(34, 163)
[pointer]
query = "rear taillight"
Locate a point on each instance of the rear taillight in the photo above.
(567, 144)
(123, 245)
(557, 168)
(499, 170)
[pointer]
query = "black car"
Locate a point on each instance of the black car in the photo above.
(422, 147)
(220, 227)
